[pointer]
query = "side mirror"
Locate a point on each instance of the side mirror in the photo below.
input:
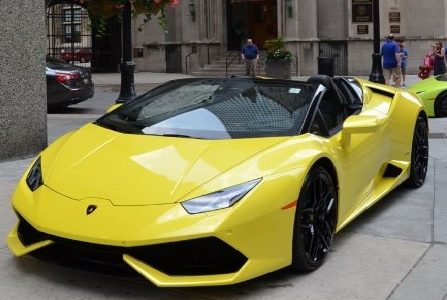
(360, 124)
(113, 107)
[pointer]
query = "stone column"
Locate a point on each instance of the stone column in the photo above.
(306, 29)
(23, 105)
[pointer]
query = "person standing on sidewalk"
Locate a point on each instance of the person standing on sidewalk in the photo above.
(250, 54)
(403, 64)
(439, 66)
(391, 61)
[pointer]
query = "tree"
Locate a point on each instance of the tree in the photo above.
(101, 10)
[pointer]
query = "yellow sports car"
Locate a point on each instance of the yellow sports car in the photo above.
(216, 181)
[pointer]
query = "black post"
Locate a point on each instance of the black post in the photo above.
(377, 71)
(127, 66)
(72, 34)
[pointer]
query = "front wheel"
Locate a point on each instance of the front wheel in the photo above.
(315, 221)
(419, 154)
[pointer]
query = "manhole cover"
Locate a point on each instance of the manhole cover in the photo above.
(437, 135)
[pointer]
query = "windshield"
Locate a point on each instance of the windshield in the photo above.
(216, 109)
(442, 77)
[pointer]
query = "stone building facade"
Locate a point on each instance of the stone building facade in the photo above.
(23, 107)
(205, 30)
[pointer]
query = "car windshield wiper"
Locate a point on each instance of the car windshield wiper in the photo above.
(179, 135)
(119, 126)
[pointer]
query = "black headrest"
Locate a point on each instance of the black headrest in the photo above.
(329, 84)
(324, 80)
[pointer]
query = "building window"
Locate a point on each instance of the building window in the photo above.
(76, 36)
(72, 24)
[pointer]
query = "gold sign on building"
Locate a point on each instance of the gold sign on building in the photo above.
(362, 29)
(395, 29)
(394, 17)
(361, 11)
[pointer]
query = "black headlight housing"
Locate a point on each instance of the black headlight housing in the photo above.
(34, 179)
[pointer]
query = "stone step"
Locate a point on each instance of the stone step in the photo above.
(218, 68)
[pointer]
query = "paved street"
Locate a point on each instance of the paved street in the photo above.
(396, 250)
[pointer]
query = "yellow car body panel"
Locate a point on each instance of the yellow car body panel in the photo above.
(138, 196)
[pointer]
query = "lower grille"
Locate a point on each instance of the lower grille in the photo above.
(204, 256)
(28, 235)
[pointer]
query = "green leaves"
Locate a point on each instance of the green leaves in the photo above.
(276, 49)
(102, 10)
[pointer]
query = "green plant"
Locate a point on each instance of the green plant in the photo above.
(276, 50)
(102, 10)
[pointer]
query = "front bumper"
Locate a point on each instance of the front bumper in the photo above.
(209, 257)
(162, 242)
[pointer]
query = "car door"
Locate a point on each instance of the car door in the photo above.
(358, 157)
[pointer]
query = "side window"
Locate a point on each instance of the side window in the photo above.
(352, 94)
(318, 125)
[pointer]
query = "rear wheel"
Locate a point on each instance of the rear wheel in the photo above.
(419, 154)
(441, 106)
(315, 220)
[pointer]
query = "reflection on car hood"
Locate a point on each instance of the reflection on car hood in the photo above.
(141, 170)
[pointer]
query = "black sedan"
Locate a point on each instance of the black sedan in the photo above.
(67, 84)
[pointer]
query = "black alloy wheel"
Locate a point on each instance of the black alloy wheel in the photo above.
(441, 106)
(315, 220)
(419, 154)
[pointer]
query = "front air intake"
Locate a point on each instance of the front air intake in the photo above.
(203, 256)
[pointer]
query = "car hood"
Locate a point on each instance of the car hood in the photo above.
(127, 169)
(426, 85)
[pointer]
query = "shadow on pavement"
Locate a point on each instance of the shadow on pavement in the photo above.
(69, 110)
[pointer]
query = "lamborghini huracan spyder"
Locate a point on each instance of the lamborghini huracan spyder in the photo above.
(216, 181)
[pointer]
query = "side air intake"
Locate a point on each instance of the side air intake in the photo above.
(392, 171)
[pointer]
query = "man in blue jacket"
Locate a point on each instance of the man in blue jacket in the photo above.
(391, 61)
(250, 54)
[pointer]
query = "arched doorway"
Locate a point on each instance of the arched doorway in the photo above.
(256, 19)
(69, 35)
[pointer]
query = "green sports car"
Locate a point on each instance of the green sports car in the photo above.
(433, 92)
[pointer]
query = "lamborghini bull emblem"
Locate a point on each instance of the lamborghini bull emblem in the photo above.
(90, 209)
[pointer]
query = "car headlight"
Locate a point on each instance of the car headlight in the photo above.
(34, 179)
(221, 199)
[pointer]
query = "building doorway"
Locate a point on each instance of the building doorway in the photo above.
(107, 49)
(337, 50)
(255, 19)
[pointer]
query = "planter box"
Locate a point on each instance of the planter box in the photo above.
(280, 69)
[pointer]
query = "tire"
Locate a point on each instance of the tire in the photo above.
(441, 106)
(315, 221)
(419, 154)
